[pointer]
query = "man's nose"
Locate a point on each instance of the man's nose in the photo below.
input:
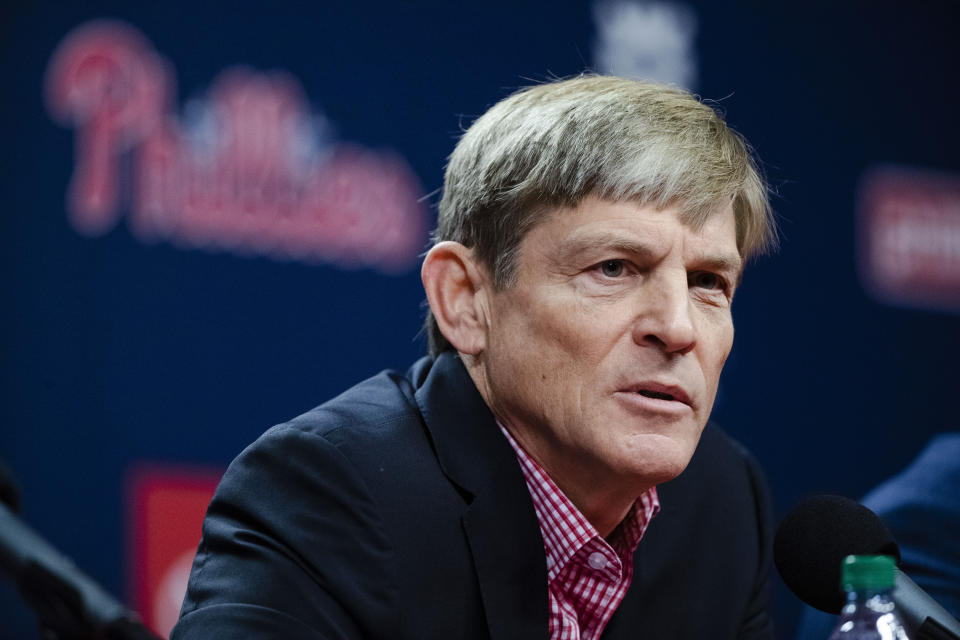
(665, 318)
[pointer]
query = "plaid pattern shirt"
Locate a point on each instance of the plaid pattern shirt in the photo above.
(587, 577)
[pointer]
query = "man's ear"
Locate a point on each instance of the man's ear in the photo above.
(456, 290)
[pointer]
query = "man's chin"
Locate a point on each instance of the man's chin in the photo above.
(660, 458)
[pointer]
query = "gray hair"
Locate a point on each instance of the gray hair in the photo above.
(551, 145)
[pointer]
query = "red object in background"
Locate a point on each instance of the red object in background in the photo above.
(166, 508)
(909, 237)
(256, 172)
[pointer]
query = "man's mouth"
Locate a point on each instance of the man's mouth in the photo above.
(655, 394)
(662, 391)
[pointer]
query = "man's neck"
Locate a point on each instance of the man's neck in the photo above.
(603, 504)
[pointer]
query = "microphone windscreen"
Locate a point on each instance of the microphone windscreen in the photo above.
(815, 537)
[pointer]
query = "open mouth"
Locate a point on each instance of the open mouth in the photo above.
(669, 399)
(660, 391)
(656, 394)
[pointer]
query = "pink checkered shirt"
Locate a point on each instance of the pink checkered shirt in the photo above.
(587, 577)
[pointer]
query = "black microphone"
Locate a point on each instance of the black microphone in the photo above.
(68, 604)
(818, 533)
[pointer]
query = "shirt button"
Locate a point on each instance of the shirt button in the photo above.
(597, 561)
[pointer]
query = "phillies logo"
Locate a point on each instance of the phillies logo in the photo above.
(248, 169)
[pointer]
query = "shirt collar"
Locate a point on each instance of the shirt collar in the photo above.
(565, 529)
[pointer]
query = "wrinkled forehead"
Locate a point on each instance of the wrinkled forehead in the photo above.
(701, 220)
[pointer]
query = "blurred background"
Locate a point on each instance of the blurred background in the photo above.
(212, 212)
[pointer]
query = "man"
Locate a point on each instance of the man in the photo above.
(591, 235)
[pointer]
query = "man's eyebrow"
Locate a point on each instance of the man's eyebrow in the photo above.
(732, 263)
(727, 263)
(603, 242)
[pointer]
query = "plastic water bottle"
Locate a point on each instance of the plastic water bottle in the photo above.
(869, 613)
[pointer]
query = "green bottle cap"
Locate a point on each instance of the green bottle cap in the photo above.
(868, 573)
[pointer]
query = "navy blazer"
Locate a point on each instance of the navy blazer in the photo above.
(399, 510)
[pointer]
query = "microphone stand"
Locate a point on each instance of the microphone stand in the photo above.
(68, 604)
(921, 613)
(933, 630)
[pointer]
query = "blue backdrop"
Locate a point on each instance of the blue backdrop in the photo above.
(117, 351)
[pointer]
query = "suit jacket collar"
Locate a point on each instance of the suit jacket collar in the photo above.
(500, 523)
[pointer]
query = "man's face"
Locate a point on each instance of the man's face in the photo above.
(603, 357)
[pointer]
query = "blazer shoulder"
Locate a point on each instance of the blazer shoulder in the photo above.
(294, 536)
(386, 397)
(376, 428)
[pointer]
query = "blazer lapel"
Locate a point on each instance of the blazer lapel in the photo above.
(500, 523)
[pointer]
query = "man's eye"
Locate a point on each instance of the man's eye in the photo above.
(612, 268)
(707, 280)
